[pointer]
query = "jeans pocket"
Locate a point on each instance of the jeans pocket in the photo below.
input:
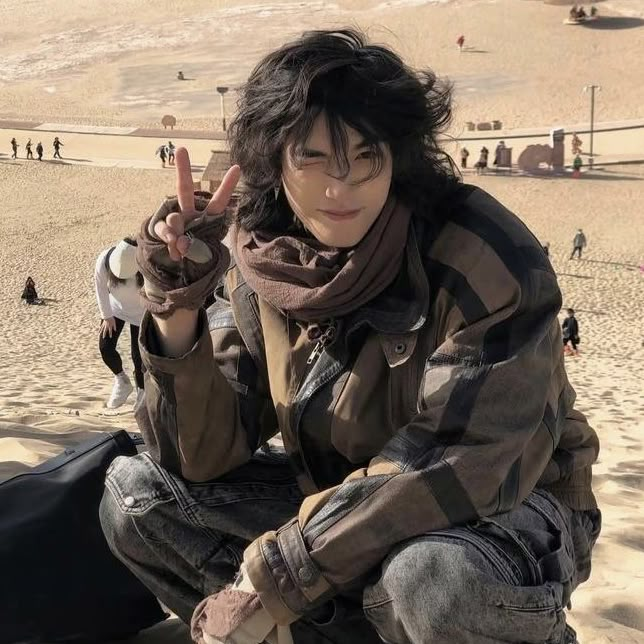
(136, 484)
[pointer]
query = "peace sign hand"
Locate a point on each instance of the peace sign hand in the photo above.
(180, 253)
(175, 218)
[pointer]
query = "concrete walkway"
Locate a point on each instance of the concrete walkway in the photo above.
(128, 147)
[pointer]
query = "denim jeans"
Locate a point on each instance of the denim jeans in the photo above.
(506, 578)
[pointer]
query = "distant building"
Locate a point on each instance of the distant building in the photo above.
(215, 170)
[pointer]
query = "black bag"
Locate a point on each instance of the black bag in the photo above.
(60, 581)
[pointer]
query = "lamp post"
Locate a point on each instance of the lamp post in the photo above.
(221, 91)
(592, 89)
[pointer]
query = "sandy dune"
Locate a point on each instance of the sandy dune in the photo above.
(522, 66)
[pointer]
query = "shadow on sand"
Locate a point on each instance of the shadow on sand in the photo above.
(613, 22)
(601, 261)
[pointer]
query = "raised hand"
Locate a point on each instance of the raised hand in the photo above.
(171, 227)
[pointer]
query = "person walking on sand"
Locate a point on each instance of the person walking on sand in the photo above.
(460, 41)
(57, 145)
(162, 154)
(435, 480)
(171, 149)
(570, 333)
(14, 147)
(30, 154)
(40, 150)
(578, 243)
(117, 282)
(464, 154)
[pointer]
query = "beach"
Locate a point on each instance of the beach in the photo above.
(524, 68)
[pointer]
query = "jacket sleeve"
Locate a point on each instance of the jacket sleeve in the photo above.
(491, 407)
(207, 411)
(101, 288)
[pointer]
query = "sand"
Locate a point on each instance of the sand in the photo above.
(524, 68)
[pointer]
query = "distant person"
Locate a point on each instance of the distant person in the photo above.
(573, 12)
(39, 150)
(464, 154)
(171, 149)
(180, 76)
(546, 249)
(14, 147)
(30, 154)
(481, 164)
(576, 143)
(460, 41)
(29, 293)
(57, 145)
(576, 166)
(570, 331)
(579, 243)
(162, 153)
(117, 282)
(581, 14)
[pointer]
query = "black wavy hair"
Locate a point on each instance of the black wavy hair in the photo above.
(366, 87)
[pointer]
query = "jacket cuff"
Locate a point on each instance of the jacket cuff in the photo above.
(187, 363)
(283, 574)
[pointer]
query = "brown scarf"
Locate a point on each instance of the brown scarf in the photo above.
(312, 281)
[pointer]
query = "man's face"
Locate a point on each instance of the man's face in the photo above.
(338, 211)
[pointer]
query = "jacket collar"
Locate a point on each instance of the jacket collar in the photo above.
(401, 310)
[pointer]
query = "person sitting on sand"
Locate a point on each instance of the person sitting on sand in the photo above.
(570, 333)
(29, 293)
(581, 14)
(397, 327)
(573, 12)
(180, 76)
(117, 283)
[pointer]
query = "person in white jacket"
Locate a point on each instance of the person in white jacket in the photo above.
(117, 282)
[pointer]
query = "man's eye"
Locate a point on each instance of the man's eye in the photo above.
(367, 154)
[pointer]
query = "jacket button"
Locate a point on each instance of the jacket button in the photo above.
(400, 348)
(306, 575)
(129, 501)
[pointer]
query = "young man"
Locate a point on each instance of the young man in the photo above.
(398, 329)
(39, 150)
(570, 334)
(578, 243)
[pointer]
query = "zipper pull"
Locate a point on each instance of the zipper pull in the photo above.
(325, 338)
(315, 354)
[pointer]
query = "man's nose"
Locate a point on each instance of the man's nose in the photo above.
(336, 187)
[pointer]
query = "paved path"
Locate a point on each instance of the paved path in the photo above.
(128, 147)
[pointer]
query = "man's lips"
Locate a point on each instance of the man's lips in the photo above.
(341, 213)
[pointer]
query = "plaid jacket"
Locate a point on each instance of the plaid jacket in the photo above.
(442, 401)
